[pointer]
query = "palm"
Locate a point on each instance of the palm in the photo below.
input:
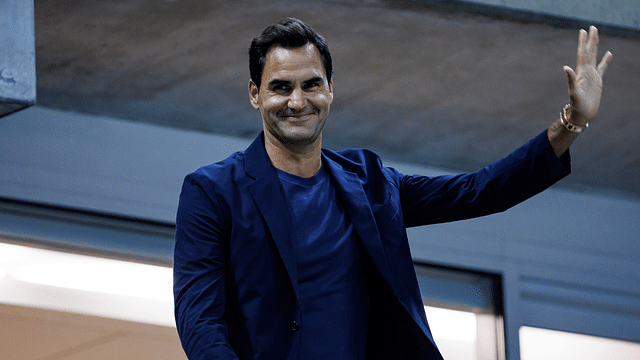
(585, 84)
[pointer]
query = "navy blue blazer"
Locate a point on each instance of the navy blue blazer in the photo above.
(235, 278)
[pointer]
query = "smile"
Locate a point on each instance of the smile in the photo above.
(297, 117)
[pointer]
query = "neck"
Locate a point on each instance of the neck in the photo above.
(300, 160)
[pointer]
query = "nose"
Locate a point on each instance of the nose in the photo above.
(297, 99)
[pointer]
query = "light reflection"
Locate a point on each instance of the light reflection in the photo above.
(85, 273)
(100, 275)
(452, 324)
(560, 345)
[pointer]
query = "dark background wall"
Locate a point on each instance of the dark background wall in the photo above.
(428, 84)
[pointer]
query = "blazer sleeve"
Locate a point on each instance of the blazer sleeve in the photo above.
(522, 174)
(200, 259)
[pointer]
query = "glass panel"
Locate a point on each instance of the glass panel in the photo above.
(536, 343)
(459, 290)
(74, 283)
(454, 332)
(464, 312)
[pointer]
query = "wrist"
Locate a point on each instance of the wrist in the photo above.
(568, 120)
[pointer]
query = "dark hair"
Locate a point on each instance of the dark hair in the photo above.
(289, 33)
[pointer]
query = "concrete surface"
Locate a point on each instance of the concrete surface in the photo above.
(428, 85)
(17, 56)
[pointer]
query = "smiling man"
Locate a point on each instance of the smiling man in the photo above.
(294, 103)
(290, 251)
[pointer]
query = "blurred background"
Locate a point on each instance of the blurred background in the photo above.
(108, 104)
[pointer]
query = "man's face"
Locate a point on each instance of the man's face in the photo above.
(294, 96)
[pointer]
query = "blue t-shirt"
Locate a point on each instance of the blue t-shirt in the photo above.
(331, 281)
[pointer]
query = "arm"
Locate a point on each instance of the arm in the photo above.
(525, 172)
(522, 174)
(585, 90)
(200, 261)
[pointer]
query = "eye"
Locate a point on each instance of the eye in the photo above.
(311, 86)
(280, 88)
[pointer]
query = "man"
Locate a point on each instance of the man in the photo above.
(290, 251)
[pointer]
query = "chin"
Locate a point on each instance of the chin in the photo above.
(294, 138)
(298, 140)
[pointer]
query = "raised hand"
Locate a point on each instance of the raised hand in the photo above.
(585, 83)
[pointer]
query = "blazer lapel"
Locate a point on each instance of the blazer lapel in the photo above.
(358, 207)
(269, 197)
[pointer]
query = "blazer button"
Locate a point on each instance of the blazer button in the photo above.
(295, 326)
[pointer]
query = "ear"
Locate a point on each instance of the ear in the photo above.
(254, 95)
(331, 90)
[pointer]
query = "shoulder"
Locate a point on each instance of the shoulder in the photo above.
(235, 166)
(365, 163)
(354, 158)
(217, 176)
(221, 168)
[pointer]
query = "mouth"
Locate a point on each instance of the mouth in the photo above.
(297, 117)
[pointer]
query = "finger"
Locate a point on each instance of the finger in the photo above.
(604, 63)
(571, 79)
(592, 46)
(582, 46)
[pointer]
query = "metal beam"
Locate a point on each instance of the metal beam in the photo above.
(17, 56)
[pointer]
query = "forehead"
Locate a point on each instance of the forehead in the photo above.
(281, 62)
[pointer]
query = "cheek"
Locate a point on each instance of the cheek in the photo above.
(322, 101)
(274, 103)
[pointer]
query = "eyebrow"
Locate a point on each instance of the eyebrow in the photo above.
(276, 82)
(314, 79)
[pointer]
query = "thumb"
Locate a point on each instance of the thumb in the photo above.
(571, 78)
